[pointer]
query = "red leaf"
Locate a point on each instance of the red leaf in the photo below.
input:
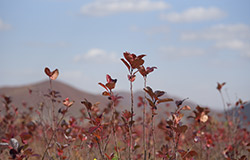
(108, 156)
(129, 57)
(108, 78)
(52, 75)
(87, 104)
(158, 94)
(141, 56)
(25, 136)
(220, 85)
(150, 69)
(137, 63)
(131, 78)
(59, 152)
(128, 66)
(191, 154)
(142, 70)
(103, 86)
(110, 85)
(179, 102)
(183, 128)
(55, 74)
(151, 103)
(186, 108)
(105, 93)
(126, 114)
(47, 71)
(149, 91)
(164, 100)
(67, 102)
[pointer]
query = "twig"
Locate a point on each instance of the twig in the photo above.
(100, 149)
(131, 122)
(153, 135)
(143, 117)
(53, 134)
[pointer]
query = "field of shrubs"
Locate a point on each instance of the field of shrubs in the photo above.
(106, 134)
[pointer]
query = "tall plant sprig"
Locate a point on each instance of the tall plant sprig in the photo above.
(133, 63)
(144, 72)
(114, 98)
(153, 101)
(52, 76)
(67, 103)
(227, 118)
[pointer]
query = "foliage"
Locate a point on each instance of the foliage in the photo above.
(104, 133)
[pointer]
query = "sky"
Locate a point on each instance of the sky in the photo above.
(193, 43)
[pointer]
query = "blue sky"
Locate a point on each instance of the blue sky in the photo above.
(194, 44)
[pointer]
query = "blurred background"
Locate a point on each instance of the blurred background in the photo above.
(194, 44)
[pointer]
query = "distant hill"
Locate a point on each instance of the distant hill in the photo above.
(247, 111)
(21, 94)
(244, 113)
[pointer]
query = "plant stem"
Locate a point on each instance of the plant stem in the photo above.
(153, 135)
(131, 122)
(143, 118)
(53, 105)
(98, 143)
(114, 131)
(100, 149)
(226, 117)
(53, 134)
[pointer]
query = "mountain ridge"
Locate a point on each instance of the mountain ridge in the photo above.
(21, 94)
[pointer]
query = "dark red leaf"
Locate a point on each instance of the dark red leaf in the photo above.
(149, 91)
(25, 136)
(179, 102)
(164, 100)
(103, 86)
(131, 78)
(142, 70)
(220, 85)
(128, 66)
(108, 156)
(150, 69)
(151, 103)
(158, 94)
(105, 93)
(47, 71)
(110, 85)
(87, 104)
(137, 63)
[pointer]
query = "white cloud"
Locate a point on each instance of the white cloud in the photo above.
(174, 52)
(97, 55)
(236, 45)
(231, 44)
(61, 44)
(108, 7)
(194, 14)
(4, 26)
(152, 30)
(234, 37)
(219, 32)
